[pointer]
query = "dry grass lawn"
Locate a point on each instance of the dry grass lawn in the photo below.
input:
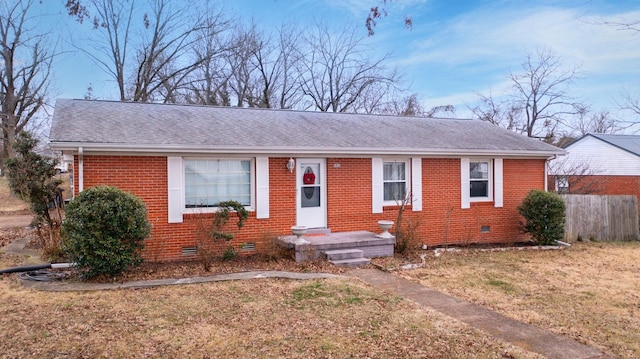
(589, 292)
(8, 203)
(335, 318)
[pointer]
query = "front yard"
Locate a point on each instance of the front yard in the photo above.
(588, 292)
(335, 318)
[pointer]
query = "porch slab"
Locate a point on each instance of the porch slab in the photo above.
(319, 243)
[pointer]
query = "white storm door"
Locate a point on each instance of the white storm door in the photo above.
(311, 192)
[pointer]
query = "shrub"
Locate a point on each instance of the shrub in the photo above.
(269, 248)
(213, 237)
(544, 215)
(32, 178)
(104, 229)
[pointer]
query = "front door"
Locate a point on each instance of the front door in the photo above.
(311, 192)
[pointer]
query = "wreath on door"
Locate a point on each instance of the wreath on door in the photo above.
(308, 177)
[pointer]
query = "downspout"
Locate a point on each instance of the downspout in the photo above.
(80, 170)
(546, 172)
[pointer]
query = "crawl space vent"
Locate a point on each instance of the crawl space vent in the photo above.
(189, 251)
(485, 229)
(248, 247)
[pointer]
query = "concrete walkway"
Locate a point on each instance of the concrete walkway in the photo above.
(515, 332)
(18, 247)
(80, 286)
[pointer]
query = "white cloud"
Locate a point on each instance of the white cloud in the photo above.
(482, 46)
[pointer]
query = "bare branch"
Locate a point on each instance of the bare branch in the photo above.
(337, 71)
(24, 76)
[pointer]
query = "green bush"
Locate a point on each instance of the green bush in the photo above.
(32, 178)
(104, 230)
(544, 215)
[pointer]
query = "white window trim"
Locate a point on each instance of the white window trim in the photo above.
(496, 182)
(407, 179)
(252, 179)
(490, 183)
(377, 194)
(175, 187)
(416, 184)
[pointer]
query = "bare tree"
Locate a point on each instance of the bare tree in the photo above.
(242, 79)
(165, 37)
(541, 105)
(110, 48)
(24, 76)
(447, 110)
(503, 114)
(209, 83)
(337, 70)
(598, 122)
(162, 61)
(542, 92)
(276, 67)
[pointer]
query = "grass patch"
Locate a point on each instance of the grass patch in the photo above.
(502, 285)
(319, 293)
(588, 292)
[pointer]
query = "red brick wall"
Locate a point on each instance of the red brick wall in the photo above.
(608, 185)
(349, 206)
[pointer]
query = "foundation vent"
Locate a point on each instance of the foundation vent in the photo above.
(485, 229)
(189, 251)
(250, 246)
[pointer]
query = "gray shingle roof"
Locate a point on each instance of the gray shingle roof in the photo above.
(630, 143)
(107, 125)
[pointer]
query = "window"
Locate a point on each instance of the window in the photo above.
(481, 181)
(394, 180)
(562, 184)
(208, 182)
(479, 186)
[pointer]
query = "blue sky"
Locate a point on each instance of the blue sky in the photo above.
(455, 49)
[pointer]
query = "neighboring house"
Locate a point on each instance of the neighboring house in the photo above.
(343, 172)
(599, 164)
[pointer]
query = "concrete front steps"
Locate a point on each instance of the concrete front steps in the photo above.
(347, 257)
(341, 248)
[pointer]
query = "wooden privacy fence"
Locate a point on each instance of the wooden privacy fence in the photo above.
(604, 218)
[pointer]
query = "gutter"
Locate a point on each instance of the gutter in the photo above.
(546, 172)
(288, 151)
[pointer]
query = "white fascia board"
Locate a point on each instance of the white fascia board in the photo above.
(288, 151)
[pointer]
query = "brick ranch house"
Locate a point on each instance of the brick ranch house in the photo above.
(321, 170)
(598, 164)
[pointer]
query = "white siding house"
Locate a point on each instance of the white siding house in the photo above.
(607, 155)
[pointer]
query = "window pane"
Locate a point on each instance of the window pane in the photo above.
(479, 170)
(479, 189)
(393, 171)
(310, 197)
(208, 182)
(394, 191)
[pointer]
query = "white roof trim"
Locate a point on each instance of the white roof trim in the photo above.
(288, 151)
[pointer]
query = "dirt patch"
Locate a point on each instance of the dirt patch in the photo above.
(9, 203)
(15, 221)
